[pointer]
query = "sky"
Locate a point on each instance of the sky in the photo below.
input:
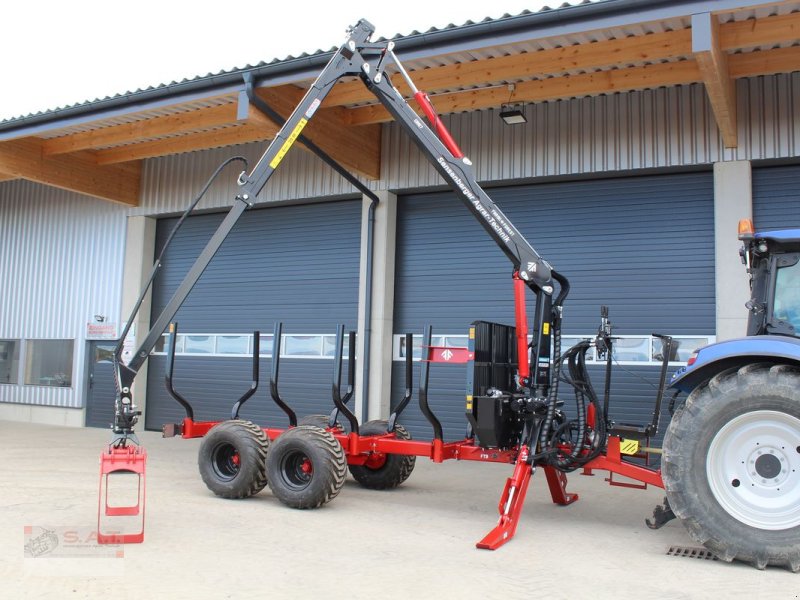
(55, 53)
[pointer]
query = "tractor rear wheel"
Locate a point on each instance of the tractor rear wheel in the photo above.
(732, 465)
(232, 459)
(383, 471)
(306, 467)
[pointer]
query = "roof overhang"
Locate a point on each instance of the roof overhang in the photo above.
(606, 47)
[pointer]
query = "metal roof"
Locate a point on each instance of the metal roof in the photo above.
(568, 24)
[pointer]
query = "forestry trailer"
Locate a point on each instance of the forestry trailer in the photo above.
(731, 454)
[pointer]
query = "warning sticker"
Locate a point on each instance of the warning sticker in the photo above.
(288, 144)
(629, 447)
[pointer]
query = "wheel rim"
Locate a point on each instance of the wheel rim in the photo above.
(225, 461)
(297, 470)
(753, 469)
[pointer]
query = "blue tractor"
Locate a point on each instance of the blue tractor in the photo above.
(731, 464)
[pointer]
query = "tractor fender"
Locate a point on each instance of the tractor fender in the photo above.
(734, 354)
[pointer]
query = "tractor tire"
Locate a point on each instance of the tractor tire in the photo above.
(306, 467)
(321, 421)
(232, 459)
(383, 471)
(731, 465)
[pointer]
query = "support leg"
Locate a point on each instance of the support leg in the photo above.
(511, 503)
(557, 482)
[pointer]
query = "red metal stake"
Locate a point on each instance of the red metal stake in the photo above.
(511, 503)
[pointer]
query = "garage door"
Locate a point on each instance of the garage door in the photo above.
(641, 245)
(776, 197)
(296, 264)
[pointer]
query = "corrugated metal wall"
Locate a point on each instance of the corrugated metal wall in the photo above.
(622, 242)
(295, 264)
(776, 197)
(61, 257)
(665, 127)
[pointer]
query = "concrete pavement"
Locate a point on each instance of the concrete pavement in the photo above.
(413, 542)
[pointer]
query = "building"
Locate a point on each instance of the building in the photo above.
(651, 128)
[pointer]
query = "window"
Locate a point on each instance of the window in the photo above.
(787, 295)
(48, 362)
(302, 345)
(628, 349)
(233, 344)
(313, 345)
(9, 361)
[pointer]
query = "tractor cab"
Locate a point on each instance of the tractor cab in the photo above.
(772, 259)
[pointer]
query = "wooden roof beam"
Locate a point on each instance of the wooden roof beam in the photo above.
(776, 29)
(654, 47)
(713, 64)
(555, 88)
(174, 124)
(228, 136)
(556, 61)
(6, 177)
(358, 149)
(78, 172)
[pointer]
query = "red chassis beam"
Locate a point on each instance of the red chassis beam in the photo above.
(359, 449)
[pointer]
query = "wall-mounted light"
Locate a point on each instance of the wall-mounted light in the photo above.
(512, 115)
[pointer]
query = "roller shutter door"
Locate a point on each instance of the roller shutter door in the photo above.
(776, 197)
(641, 245)
(296, 264)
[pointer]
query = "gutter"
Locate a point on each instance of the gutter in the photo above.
(272, 114)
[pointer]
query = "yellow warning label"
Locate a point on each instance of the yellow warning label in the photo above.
(469, 402)
(546, 329)
(472, 333)
(288, 144)
(629, 447)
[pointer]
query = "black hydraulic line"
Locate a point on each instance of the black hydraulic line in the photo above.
(552, 393)
(424, 373)
(409, 384)
(168, 376)
(336, 388)
(157, 263)
(254, 385)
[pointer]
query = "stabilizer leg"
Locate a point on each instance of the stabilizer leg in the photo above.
(557, 482)
(510, 507)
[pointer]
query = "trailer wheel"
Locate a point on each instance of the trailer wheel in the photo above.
(321, 421)
(732, 465)
(232, 459)
(306, 467)
(383, 471)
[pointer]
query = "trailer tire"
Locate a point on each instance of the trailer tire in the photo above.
(232, 459)
(321, 421)
(306, 467)
(731, 465)
(386, 471)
